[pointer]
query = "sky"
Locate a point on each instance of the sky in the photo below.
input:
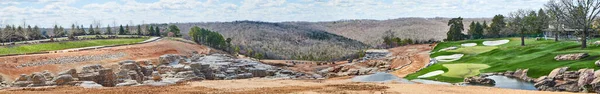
(47, 13)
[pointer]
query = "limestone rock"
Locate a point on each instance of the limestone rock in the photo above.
(586, 76)
(127, 83)
(188, 75)
(48, 75)
(169, 59)
(557, 71)
(90, 84)
(107, 78)
(156, 76)
(479, 81)
(37, 78)
(23, 77)
(71, 72)
(63, 79)
(575, 56)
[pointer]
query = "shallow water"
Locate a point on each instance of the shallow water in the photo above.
(511, 83)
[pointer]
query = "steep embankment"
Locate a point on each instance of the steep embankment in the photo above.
(537, 56)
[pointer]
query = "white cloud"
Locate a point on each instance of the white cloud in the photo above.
(65, 13)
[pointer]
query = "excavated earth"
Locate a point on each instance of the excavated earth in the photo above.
(148, 51)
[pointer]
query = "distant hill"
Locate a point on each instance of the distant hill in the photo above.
(283, 41)
(334, 39)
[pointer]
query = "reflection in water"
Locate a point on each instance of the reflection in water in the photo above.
(506, 82)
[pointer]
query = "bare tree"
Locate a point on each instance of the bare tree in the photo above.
(554, 10)
(581, 15)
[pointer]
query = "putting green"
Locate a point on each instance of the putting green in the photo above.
(474, 49)
(463, 70)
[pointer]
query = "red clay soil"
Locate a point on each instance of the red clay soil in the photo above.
(138, 52)
(410, 58)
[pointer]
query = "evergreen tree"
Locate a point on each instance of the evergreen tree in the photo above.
(121, 30)
(479, 28)
(471, 31)
(108, 30)
(97, 31)
(497, 25)
(127, 30)
(175, 30)
(456, 28)
(139, 30)
(91, 30)
(151, 31)
(57, 32)
(157, 31)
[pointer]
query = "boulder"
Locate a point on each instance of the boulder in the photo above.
(586, 76)
(156, 76)
(89, 84)
(21, 83)
(71, 72)
(162, 69)
(48, 75)
(258, 72)
(93, 76)
(123, 75)
(542, 78)
(544, 84)
(557, 71)
(597, 63)
(188, 75)
(107, 78)
(147, 70)
(63, 79)
(23, 77)
(127, 83)
(169, 59)
(37, 78)
(91, 68)
(575, 56)
(479, 81)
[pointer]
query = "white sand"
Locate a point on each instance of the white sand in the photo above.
(430, 74)
(495, 43)
(468, 44)
(448, 58)
(449, 48)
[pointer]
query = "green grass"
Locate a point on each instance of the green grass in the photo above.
(537, 56)
(474, 49)
(463, 70)
(32, 48)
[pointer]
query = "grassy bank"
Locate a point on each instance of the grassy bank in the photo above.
(32, 48)
(537, 56)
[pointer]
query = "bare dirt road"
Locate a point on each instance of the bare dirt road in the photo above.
(264, 86)
(148, 51)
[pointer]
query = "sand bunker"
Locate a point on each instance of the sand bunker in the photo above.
(448, 58)
(468, 44)
(495, 43)
(430, 74)
(449, 48)
(379, 77)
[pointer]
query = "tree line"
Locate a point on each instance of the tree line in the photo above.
(578, 15)
(12, 33)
